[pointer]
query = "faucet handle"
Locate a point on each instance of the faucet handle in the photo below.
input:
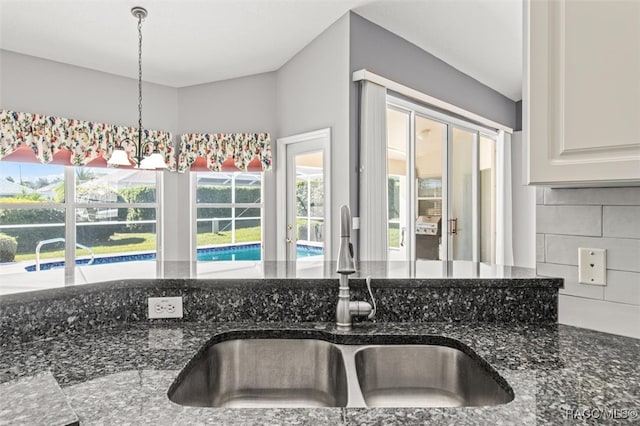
(373, 300)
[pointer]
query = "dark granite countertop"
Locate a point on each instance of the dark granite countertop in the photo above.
(120, 374)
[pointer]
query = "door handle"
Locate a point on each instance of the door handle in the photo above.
(453, 226)
(289, 228)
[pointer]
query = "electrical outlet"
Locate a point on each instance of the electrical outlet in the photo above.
(592, 266)
(165, 307)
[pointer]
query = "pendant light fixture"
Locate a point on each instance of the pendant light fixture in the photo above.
(119, 156)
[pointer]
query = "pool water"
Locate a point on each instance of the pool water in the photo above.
(248, 252)
(212, 254)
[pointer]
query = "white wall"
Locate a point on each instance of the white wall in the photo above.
(313, 93)
(524, 208)
(606, 218)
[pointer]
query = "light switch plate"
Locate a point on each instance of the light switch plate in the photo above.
(355, 223)
(592, 266)
(165, 307)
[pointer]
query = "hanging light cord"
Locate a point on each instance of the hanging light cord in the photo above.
(140, 146)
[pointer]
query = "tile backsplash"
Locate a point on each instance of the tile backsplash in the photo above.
(608, 218)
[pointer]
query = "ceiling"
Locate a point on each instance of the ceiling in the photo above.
(189, 42)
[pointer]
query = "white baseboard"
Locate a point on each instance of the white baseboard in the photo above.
(599, 315)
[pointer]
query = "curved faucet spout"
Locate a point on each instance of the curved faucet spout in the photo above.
(347, 309)
(346, 264)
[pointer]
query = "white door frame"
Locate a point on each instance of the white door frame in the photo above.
(281, 176)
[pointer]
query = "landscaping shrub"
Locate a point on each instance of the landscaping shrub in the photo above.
(28, 238)
(140, 194)
(8, 248)
(222, 194)
(92, 229)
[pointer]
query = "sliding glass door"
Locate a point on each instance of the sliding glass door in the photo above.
(441, 186)
(462, 191)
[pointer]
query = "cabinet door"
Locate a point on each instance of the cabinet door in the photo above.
(581, 94)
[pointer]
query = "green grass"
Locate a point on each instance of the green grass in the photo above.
(141, 242)
(394, 237)
(118, 243)
(224, 237)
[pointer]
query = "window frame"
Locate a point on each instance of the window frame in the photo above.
(231, 205)
(70, 207)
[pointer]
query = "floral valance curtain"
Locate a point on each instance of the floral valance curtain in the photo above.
(244, 149)
(86, 141)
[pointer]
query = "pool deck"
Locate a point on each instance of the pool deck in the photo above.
(15, 279)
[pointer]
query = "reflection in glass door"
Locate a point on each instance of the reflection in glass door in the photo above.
(305, 233)
(309, 202)
(487, 191)
(430, 137)
(441, 186)
(398, 142)
(462, 195)
(472, 194)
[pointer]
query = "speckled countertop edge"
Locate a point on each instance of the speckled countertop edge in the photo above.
(554, 370)
(283, 283)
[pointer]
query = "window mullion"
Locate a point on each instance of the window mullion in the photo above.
(70, 225)
(233, 209)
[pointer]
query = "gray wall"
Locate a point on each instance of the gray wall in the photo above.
(313, 93)
(518, 116)
(384, 53)
(608, 218)
(244, 104)
(38, 85)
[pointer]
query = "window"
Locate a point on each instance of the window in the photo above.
(71, 225)
(228, 218)
(441, 174)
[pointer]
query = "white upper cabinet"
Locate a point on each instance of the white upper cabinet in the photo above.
(581, 97)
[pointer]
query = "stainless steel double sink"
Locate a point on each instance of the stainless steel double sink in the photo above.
(284, 372)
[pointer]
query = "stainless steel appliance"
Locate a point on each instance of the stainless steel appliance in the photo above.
(428, 233)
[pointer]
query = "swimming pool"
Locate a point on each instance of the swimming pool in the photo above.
(210, 254)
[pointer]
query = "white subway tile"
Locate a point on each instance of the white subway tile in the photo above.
(600, 315)
(539, 195)
(621, 221)
(622, 254)
(593, 196)
(539, 247)
(569, 220)
(571, 285)
(623, 287)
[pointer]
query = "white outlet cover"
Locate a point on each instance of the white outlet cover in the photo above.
(592, 266)
(165, 307)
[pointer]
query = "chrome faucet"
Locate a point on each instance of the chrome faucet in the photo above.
(346, 309)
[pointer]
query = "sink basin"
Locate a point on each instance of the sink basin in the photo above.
(425, 376)
(264, 373)
(290, 373)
